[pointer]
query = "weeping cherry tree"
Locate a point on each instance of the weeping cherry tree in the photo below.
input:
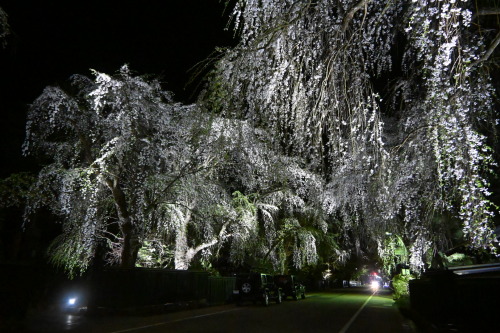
(390, 101)
(272, 194)
(115, 149)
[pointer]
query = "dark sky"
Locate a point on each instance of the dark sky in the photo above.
(56, 38)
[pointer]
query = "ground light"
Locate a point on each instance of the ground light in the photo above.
(72, 304)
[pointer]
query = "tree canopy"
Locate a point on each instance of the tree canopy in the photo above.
(390, 101)
(333, 127)
(127, 167)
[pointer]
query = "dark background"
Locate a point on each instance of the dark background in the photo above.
(54, 39)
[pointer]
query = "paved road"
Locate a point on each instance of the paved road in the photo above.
(347, 310)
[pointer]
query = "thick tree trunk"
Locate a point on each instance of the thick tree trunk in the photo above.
(131, 244)
(181, 247)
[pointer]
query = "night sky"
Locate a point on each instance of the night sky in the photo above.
(54, 39)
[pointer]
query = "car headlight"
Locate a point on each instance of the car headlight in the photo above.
(375, 285)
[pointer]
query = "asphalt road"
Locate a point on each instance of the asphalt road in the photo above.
(346, 310)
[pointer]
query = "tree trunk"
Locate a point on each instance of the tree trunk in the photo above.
(183, 253)
(181, 247)
(181, 243)
(131, 244)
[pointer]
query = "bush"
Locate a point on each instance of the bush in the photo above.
(400, 285)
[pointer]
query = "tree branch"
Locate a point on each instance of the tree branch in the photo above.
(407, 137)
(279, 239)
(350, 14)
(191, 252)
(488, 11)
(490, 50)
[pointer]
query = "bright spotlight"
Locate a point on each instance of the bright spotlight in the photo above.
(375, 285)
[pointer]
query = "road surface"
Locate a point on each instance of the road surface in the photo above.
(347, 310)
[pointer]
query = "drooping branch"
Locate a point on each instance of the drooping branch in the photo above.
(488, 11)
(350, 14)
(397, 147)
(279, 239)
(490, 50)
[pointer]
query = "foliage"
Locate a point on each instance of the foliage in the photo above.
(457, 259)
(331, 124)
(15, 189)
(154, 254)
(274, 199)
(119, 147)
(392, 252)
(389, 101)
(4, 27)
(130, 168)
(400, 284)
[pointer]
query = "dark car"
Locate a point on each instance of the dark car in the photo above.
(256, 287)
(290, 286)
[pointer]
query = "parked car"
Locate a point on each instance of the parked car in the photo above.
(256, 287)
(290, 286)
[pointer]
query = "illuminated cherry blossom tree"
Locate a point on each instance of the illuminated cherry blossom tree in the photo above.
(118, 149)
(352, 121)
(390, 101)
(127, 168)
(275, 200)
